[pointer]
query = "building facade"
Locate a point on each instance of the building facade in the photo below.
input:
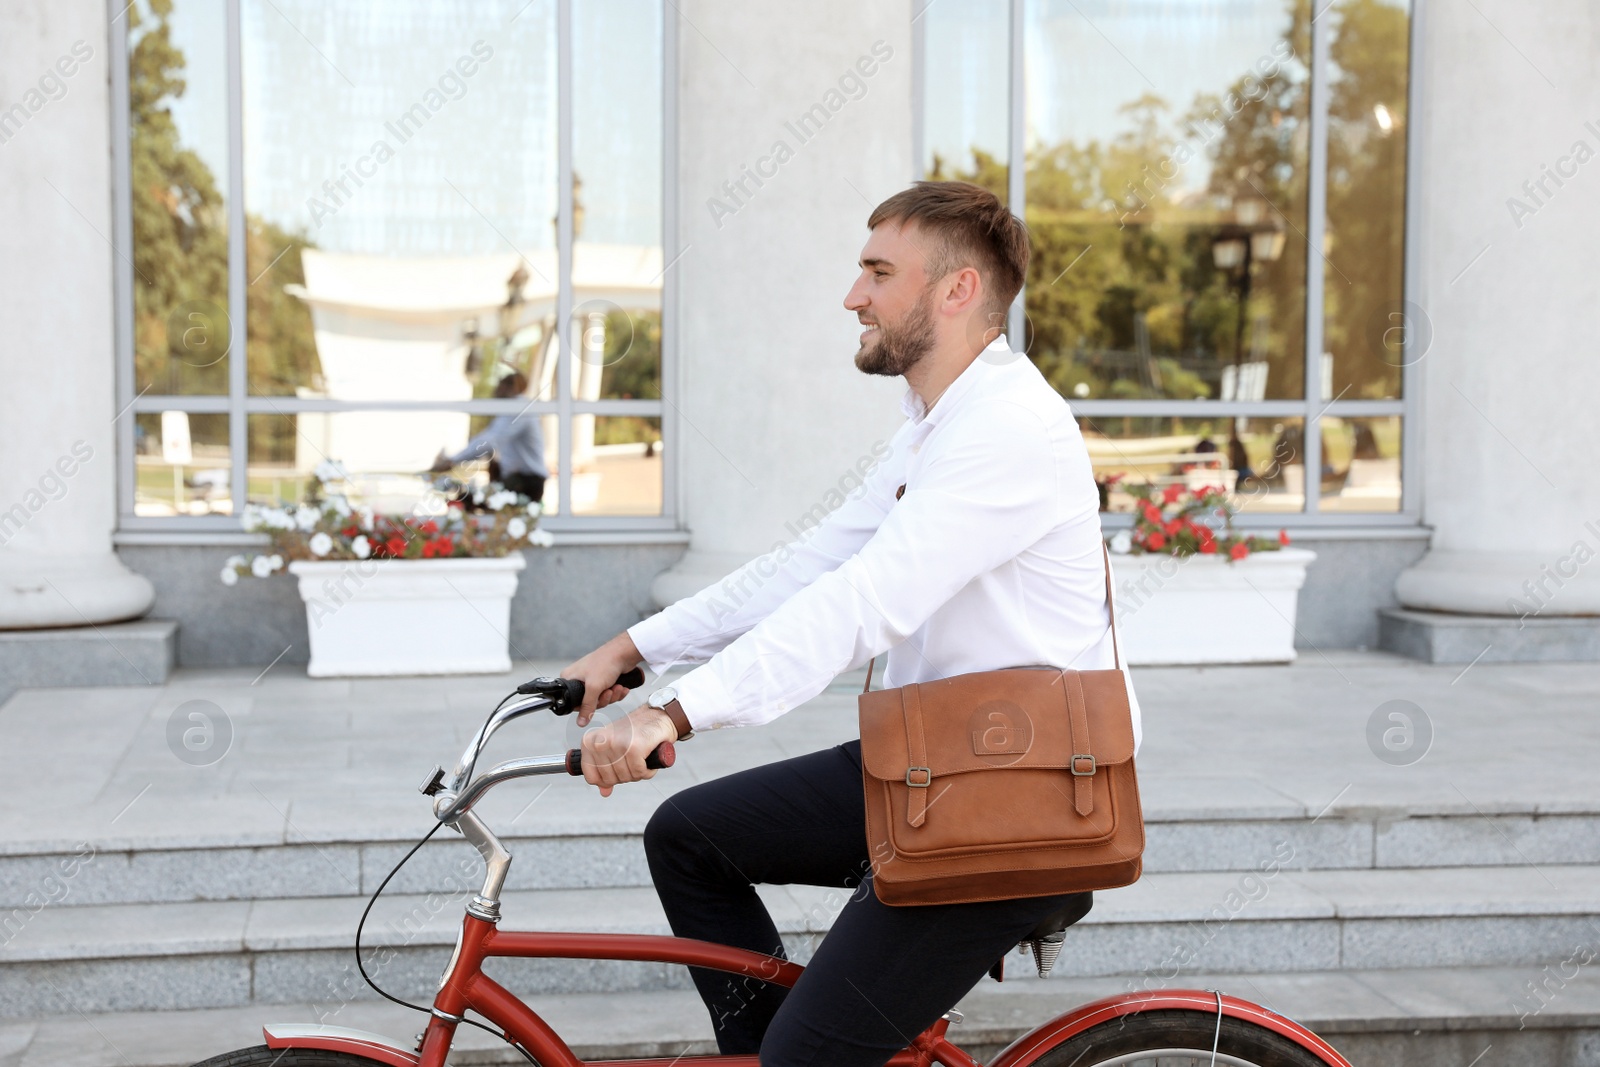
(1271, 238)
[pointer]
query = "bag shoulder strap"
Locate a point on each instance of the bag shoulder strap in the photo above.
(1111, 612)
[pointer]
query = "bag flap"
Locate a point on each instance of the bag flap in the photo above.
(995, 719)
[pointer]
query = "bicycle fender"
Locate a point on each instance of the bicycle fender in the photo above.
(339, 1039)
(1034, 1044)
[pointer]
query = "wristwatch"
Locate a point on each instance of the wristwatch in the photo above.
(666, 699)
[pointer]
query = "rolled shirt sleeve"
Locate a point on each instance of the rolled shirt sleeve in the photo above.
(990, 491)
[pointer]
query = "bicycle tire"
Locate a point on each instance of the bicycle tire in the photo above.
(1186, 1039)
(262, 1056)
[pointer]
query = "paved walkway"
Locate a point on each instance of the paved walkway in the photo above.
(322, 760)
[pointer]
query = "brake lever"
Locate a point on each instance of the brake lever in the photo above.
(566, 694)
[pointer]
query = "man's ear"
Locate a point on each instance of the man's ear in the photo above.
(963, 290)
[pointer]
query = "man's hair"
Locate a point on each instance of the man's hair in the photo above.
(971, 227)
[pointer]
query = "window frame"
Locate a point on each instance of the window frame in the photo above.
(239, 405)
(1312, 407)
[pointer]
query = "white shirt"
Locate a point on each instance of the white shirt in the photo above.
(991, 559)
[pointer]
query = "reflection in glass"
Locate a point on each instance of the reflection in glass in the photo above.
(1365, 286)
(388, 454)
(616, 197)
(1260, 462)
(1361, 464)
(620, 472)
(1166, 198)
(178, 158)
(967, 91)
(401, 179)
(181, 464)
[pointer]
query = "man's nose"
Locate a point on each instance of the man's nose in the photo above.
(855, 299)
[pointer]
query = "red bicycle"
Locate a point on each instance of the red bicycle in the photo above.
(1163, 1028)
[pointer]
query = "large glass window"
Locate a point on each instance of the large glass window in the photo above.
(361, 232)
(1216, 199)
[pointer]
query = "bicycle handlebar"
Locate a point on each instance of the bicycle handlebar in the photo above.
(567, 694)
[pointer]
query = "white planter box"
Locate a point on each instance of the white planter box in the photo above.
(1206, 609)
(408, 616)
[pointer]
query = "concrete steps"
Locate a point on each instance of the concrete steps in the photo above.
(567, 854)
(214, 954)
(1400, 1018)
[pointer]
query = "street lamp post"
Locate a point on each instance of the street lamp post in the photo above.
(1234, 249)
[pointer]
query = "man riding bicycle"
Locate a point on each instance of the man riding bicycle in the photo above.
(975, 545)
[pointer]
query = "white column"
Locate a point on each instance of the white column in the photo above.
(58, 471)
(1512, 465)
(772, 412)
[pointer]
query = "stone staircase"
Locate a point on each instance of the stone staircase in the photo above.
(210, 936)
(1439, 914)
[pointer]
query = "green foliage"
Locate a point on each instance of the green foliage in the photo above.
(180, 252)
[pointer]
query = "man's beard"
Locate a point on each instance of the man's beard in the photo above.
(901, 346)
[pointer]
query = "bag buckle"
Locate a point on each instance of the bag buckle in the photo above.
(1083, 774)
(927, 777)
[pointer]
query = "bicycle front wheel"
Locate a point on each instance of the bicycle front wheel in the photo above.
(262, 1056)
(1178, 1039)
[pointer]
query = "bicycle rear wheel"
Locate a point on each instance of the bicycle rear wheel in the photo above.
(1177, 1038)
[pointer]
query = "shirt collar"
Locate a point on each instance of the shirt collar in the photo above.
(996, 353)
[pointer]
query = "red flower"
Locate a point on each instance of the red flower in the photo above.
(1208, 546)
(1155, 541)
(1171, 493)
(395, 546)
(1239, 551)
(351, 530)
(444, 546)
(430, 528)
(1152, 514)
(1173, 527)
(1283, 537)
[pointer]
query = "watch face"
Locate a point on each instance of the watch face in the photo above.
(662, 697)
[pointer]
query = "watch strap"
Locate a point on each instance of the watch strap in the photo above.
(680, 720)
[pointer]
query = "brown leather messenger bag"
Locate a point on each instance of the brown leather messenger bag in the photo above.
(1002, 784)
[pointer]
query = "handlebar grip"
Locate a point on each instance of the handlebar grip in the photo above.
(568, 692)
(663, 757)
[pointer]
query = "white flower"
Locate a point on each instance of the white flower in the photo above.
(261, 566)
(361, 546)
(364, 516)
(477, 495)
(229, 575)
(535, 509)
(277, 518)
(517, 527)
(340, 505)
(1122, 543)
(233, 562)
(330, 471)
(541, 538)
(276, 561)
(251, 519)
(505, 498)
(306, 516)
(321, 544)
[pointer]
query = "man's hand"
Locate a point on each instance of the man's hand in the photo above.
(615, 753)
(599, 671)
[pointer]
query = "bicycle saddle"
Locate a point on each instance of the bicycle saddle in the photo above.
(1045, 939)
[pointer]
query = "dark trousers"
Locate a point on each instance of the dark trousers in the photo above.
(529, 485)
(881, 975)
